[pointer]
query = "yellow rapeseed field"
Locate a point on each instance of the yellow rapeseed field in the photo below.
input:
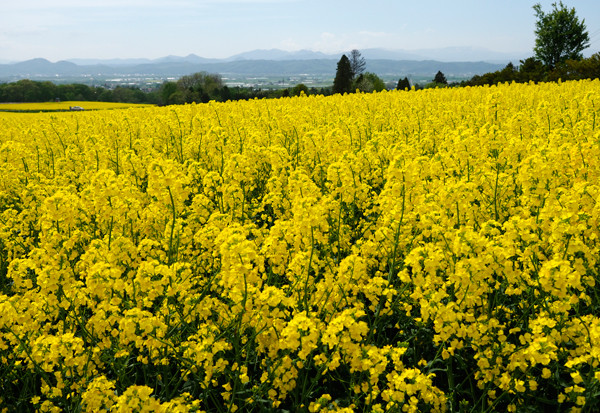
(399, 251)
(64, 106)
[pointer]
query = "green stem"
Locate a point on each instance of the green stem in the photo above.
(312, 249)
(172, 225)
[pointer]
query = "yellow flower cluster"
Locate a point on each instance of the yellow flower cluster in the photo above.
(398, 251)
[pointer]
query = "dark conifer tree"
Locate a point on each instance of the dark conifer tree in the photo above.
(343, 76)
(440, 78)
(403, 84)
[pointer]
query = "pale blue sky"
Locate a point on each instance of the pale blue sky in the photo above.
(63, 29)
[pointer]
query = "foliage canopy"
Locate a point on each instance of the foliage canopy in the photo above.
(440, 78)
(559, 35)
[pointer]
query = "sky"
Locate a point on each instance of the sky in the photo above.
(106, 29)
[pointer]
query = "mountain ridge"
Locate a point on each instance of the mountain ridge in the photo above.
(260, 62)
(446, 54)
(37, 68)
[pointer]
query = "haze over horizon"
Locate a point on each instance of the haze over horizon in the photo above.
(449, 54)
(109, 29)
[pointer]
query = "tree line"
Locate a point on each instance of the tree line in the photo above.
(33, 91)
(534, 70)
(203, 87)
(199, 87)
(350, 75)
(529, 70)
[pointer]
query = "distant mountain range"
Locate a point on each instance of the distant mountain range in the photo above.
(264, 63)
(447, 54)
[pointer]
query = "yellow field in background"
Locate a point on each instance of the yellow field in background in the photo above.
(399, 251)
(61, 106)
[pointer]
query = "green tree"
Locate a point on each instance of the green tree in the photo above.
(577, 69)
(440, 78)
(83, 92)
(225, 94)
(299, 88)
(28, 90)
(531, 69)
(559, 35)
(106, 96)
(369, 82)
(201, 86)
(47, 91)
(343, 76)
(403, 84)
(166, 90)
(508, 74)
(128, 94)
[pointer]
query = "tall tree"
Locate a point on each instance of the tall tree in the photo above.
(559, 35)
(343, 76)
(357, 63)
(403, 84)
(440, 78)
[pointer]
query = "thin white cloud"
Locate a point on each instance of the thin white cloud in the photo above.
(330, 43)
(339, 43)
(289, 44)
(372, 34)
